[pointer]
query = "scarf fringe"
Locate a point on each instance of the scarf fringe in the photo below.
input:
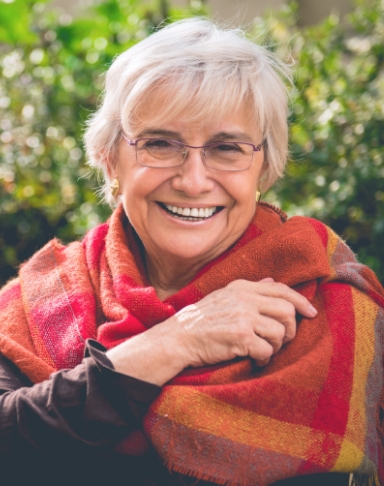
(358, 480)
(203, 476)
(355, 479)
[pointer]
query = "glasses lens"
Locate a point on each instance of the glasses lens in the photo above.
(159, 152)
(228, 155)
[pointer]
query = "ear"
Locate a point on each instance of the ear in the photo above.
(264, 166)
(263, 176)
(109, 164)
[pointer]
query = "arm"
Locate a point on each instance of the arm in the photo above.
(243, 319)
(89, 407)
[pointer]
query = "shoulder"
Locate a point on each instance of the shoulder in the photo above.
(277, 217)
(343, 263)
(55, 253)
(336, 248)
(10, 294)
(271, 217)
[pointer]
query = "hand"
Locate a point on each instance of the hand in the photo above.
(243, 319)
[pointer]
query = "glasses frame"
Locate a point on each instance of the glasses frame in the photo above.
(256, 148)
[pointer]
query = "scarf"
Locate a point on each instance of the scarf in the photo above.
(316, 407)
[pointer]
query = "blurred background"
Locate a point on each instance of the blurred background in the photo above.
(52, 59)
(238, 12)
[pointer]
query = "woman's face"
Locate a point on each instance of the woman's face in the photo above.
(145, 192)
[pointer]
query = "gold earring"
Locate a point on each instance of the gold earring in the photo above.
(258, 196)
(115, 187)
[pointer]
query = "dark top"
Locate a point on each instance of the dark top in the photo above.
(62, 431)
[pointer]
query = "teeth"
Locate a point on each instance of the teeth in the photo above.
(192, 212)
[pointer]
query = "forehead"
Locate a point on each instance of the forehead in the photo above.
(153, 114)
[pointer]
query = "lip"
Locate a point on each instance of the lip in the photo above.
(189, 223)
(179, 205)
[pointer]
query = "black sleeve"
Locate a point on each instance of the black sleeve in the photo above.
(62, 431)
(89, 407)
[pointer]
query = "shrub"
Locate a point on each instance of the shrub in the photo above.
(52, 70)
(336, 171)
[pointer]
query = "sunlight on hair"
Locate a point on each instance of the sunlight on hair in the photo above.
(210, 73)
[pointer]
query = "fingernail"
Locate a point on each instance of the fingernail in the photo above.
(262, 362)
(312, 310)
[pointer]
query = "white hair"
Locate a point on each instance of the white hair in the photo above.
(209, 69)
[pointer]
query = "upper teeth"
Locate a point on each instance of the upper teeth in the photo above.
(194, 212)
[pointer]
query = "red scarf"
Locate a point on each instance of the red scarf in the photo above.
(315, 408)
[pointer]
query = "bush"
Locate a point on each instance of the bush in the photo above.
(336, 172)
(52, 77)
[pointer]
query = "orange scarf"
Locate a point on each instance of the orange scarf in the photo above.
(317, 407)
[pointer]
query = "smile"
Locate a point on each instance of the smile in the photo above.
(191, 214)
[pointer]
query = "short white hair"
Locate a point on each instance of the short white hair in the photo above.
(209, 69)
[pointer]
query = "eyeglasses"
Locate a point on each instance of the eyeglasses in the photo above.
(162, 153)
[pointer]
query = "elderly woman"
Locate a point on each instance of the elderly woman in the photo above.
(224, 344)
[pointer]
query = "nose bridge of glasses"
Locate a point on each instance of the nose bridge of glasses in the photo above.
(186, 149)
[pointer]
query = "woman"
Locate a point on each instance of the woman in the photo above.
(226, 343)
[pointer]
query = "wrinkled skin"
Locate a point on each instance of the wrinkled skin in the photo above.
(242, 319)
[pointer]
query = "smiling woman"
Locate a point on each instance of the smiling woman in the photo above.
(222, 341)
(200, 82)
(177, 246)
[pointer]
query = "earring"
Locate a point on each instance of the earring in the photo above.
(258, 196)
(114, 187)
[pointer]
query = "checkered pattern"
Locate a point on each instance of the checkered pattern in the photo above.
(318, 405)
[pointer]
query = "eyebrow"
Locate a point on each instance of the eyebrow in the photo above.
(159, 133)
(237, 136)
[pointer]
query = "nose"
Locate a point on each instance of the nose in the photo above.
(192, 176)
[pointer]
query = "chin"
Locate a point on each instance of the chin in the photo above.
(192, 251)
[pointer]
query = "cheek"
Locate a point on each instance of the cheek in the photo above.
(139, 188)
(243, 190)
(133, 181)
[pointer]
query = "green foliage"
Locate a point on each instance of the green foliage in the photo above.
(16, 17)
(52, 76)
(336, 172)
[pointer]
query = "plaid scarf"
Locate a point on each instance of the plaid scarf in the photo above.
(317, 406)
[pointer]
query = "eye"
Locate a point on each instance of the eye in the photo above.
(156, 143)
(226, 147)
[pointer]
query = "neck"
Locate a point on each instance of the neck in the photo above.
(168, 277)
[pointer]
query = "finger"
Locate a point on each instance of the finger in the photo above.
(271, 331)
(268, 279)
(262, 362)
(280, 311)
(260, 350)
(275, 289)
